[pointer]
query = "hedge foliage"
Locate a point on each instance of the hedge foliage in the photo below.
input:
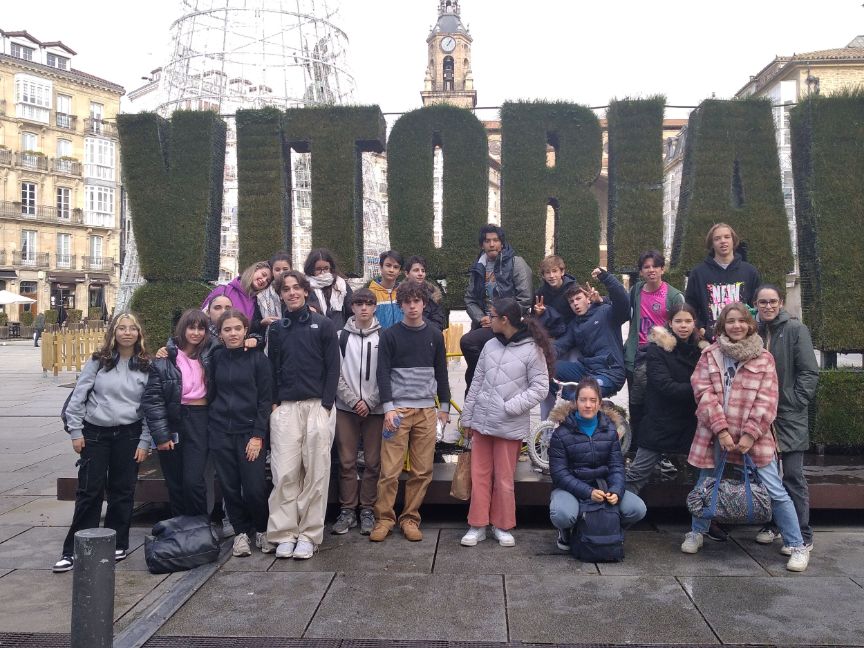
(173, 172)
(410, 152)
(839, 419)
(529, 186)
(828, 166)
(159, 304)
(731, 174)
(264, 223)
(635, 217)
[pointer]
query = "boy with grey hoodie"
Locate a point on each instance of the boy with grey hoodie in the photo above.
(359, 414)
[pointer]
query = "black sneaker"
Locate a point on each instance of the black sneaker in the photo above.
(65, 564)
(563, 540)
(716, 533)
(119, 554)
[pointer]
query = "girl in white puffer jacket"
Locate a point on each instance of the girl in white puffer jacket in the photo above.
(512, 377)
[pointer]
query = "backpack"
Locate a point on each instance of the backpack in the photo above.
(343, 340)
(66, 405)
(597, 536)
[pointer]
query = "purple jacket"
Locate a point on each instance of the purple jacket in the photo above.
(233, 290)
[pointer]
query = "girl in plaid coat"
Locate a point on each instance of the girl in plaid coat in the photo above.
(735, 385)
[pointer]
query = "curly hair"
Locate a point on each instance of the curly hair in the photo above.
(412, 290)
(108, 356)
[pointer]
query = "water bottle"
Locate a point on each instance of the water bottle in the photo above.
(388, 433)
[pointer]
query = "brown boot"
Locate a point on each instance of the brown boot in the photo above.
(411, 531)
(380, 532)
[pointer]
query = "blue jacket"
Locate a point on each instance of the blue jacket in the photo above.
(558, 312)
(577, 461)
(597, 334)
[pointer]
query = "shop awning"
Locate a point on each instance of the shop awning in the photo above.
(99, 278)
(8, 274)
(66, 277)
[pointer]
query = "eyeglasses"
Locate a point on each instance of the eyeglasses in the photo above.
(768, 302)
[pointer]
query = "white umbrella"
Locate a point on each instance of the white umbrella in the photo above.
(7, 297)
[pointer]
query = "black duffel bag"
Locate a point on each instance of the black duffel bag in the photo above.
(181, 543)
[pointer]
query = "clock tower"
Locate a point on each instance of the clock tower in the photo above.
(448, 70)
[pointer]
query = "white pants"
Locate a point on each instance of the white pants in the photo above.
(301, 434)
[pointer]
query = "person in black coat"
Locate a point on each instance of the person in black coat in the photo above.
(585, 462)
(670, 408)
(175, 405)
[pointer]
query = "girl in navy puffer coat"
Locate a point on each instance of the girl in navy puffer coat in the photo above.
(586, 463)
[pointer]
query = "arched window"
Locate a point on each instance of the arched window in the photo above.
(448, 74)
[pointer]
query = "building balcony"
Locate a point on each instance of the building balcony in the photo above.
(100, 127)
(41, 213)
(99, 219)
(103, 264)
(2, 257)
(67, 166)
(32, 160)
(66, 122)
(30, 260)
(6, 157)
(64, 261)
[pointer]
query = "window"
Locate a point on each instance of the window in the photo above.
(32, 98)
(64, 148)
(64, 202)
(28, 247)
(96, 112)
(64, 250)
(28, 289)
(29, 141)
(60, 62)
(99, 158)
(99, 205)
(95, 252)
(96, 296)
(22, 52)
(64, 111)
(28, 198)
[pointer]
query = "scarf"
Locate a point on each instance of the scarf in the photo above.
(337, 294)
(586, 426)
(747, 349)
(269, 303)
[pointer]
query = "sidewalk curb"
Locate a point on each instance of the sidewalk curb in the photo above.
(139, 632)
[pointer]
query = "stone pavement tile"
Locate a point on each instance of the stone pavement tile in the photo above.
(648, 553)
(780, 611)
(153, 596)
(8, 531)
(834, 554)
(3, 572)
(250, 604)
(40, 601)
(42, 486)
(63, 461)
(41, 511)
(37, 548)
(10, 503)
(535, 553)
(26, 443)
(410, 606)
(12, 480)
(353, 553)
(612, 609)
(257, 562)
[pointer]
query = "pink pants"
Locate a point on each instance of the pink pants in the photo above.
(493, 498)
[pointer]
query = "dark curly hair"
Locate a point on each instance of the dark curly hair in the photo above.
(412, 290)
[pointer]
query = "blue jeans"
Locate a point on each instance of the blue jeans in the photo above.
(781, 505)
(574, 371)
(564, 509)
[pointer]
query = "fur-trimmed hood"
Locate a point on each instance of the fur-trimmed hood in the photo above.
(666, 340)
(563, 408)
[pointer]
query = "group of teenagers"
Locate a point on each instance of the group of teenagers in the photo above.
(290, 364)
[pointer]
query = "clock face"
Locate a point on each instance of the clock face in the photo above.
(448, 44)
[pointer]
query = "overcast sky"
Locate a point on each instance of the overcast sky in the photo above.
(588, 52)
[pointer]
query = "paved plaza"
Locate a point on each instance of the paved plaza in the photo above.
(433, 591)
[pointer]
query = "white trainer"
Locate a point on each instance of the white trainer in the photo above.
(692, 542)
(304, 550)
(474, 535)
(767, 535)
(504, 538)
(286, 549)
(799, 559)
(241, 546)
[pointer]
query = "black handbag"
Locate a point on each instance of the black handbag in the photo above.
(181, 543)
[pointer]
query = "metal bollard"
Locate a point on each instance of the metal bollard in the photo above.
(93, 589)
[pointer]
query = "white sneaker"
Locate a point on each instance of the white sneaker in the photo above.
(799, 559)
(692, 542)
(767, 535)
(474, 535)
(504, 538)
(241, 546)
(286, 549)
(786, 550)
(304, 550)
(262, 544)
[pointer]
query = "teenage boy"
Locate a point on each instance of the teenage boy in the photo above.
(359, 415)
(722, 278)
(595, 332)
(384, 288)
(304, 356)
(412, 368)
(651, 299)
(498, 272)
(550, 300)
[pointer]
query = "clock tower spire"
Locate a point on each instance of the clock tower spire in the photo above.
(448, 72)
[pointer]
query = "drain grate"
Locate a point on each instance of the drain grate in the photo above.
(33, 640)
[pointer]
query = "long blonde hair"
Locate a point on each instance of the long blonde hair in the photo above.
(108, 355)
(248, 273)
